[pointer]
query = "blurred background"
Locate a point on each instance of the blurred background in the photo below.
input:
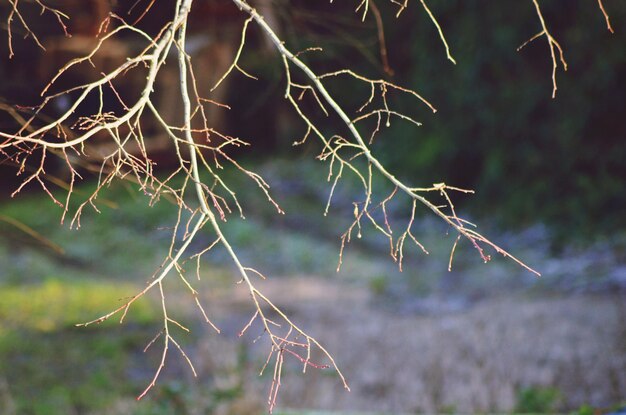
(549, 176)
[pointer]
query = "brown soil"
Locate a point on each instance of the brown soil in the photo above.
(476, 360)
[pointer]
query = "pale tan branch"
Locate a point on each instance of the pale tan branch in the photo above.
(439, 30)
(356, 135)
(606, 16)
(552, 44)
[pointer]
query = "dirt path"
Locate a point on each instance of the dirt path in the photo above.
(477, 360)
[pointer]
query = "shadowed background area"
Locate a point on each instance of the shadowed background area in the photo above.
(549, 176)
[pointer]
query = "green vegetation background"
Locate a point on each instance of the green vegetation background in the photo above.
(532, 159)
(497, 130)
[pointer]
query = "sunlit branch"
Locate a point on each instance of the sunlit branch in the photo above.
(316, 80)
(552, 43)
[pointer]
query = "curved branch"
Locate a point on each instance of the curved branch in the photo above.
(470, 235)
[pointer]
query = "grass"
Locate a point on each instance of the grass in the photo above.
(54, 277)
(51, 366)
(55, 305)
(57, 277)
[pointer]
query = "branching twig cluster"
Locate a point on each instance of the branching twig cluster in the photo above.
(335, 146)
(206, 203)
(16, 14)
(554, 46)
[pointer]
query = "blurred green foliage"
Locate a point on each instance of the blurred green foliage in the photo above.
(55, 304)
(52, 367)
(537, 400)
(586, 410)
(67, 370)
(529, 157)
